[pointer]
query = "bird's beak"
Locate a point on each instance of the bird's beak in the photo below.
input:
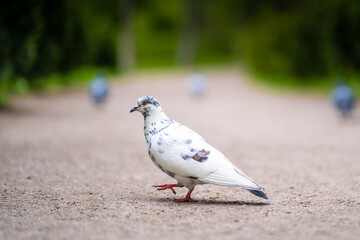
(134, 109)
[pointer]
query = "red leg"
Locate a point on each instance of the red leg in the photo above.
(187, 198)
(166, 186)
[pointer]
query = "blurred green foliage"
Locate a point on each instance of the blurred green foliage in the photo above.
(40, 39)
(303, 38)
(303, 43)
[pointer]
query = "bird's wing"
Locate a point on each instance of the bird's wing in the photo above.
(182, 151)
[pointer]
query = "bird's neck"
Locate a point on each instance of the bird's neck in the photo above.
(155, 123)
(156, 120)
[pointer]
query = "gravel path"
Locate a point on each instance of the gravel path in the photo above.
(71, 171)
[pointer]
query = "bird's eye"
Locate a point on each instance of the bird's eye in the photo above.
(144, 102)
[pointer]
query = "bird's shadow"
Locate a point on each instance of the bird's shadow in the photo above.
(211, 202)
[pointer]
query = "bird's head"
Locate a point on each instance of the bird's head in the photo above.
(147, 105)
(340, 82)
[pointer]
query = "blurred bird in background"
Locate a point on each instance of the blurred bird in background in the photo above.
(99, 88)
(197, 84)
(343, 98)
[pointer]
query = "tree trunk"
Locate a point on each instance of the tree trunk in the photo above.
(126, 55)
(187, 46)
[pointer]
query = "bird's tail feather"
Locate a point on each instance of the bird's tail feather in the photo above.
(258, 193)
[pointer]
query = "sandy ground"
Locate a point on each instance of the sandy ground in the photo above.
(71, 171)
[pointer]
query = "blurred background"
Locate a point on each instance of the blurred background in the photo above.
(46, 45)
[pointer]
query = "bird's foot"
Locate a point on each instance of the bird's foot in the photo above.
(166, 186)
(185, 199)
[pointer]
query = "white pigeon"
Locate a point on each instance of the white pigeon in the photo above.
(186, 156)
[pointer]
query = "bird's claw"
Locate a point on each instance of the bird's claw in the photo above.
(186, 199)
(166, 186)
(163, 188)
